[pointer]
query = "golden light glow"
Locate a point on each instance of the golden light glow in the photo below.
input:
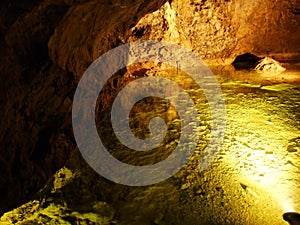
(270, 177)
(261, 158)
(287, 206)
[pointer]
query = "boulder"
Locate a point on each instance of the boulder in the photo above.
(268, 64)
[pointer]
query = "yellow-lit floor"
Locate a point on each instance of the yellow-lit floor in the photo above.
(254, 179)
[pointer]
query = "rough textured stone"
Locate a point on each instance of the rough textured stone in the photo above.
(47, 45)
(241, 186)
(45, 48)
(221, 30)
(268, 64)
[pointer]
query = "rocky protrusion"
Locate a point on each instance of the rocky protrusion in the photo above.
(268, 64)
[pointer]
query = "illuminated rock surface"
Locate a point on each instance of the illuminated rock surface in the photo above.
(45, 48)
(268, 64)
(253, 180)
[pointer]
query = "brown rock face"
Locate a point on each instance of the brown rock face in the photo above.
(221, 30)
(47, 45)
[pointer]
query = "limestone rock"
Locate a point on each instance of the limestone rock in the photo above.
(219, 30)
(47, 45)
(268, 64)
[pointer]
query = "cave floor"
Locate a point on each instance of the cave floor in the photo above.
(254, 178)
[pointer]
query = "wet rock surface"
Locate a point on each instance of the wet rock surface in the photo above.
(258, 160)
(46, 46)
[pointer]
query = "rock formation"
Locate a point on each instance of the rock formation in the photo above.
(268, 64)
(47, 45)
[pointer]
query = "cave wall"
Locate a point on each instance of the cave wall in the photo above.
(220, 30)
(45, 48)
(47, 45)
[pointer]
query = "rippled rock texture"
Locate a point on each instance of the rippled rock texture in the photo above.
(47, 45)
